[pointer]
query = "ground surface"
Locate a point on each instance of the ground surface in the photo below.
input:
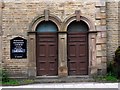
(68, 85)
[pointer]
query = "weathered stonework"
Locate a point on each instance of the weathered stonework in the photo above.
(112, 28)
(119, 21)
(1, 6)
(101, 37)
(21, 18)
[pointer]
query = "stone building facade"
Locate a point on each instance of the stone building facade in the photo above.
(23, 18)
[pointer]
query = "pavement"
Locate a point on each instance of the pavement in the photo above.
(110, 86)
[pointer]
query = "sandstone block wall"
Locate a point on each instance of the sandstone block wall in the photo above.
(17, 17)
(119, 21)
(112, 28)
(101, 37)
(1, 6)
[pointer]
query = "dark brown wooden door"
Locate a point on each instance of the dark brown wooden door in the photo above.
(46, 54)
(77, 54)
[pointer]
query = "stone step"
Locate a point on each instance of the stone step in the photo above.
(63, 79)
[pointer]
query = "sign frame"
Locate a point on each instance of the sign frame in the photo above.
(18, 48)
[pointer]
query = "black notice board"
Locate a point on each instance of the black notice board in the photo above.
(18, 48)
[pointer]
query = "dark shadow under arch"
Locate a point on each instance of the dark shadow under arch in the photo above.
(78, 26)
(46, 26)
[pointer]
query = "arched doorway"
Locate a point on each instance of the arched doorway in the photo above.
(77, 48)
(46, 49)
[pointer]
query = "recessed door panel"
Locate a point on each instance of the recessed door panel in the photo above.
(82, 50)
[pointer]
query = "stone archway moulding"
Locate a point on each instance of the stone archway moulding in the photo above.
(72, 18)
(62, 44)
(32, 41)
(92, 68)
(41, 18)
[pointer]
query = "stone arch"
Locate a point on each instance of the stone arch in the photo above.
(32, 40)
(41, 18)
(91, 40)
(72, 18)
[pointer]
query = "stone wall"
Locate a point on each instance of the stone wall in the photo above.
(101, 37)
(112, 28)
(1, 6)
(119, 22)
(17, 18)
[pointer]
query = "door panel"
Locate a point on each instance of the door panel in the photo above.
(42, 49)
(72, 49)
(82, 50)
(77, 54)
(46, 54)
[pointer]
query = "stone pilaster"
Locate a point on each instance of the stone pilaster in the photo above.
(92, 52)
(32, 55)
(62, 47)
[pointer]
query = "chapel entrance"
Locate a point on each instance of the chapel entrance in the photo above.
(77, 48)
(46, 49)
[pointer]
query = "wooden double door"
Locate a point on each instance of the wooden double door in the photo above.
(47, 49)
(47, 54)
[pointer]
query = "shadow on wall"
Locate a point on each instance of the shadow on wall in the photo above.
(117, 61)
